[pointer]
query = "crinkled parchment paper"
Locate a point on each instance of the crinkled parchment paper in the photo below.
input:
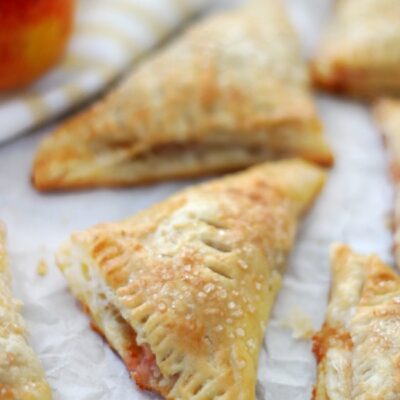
(353, 208)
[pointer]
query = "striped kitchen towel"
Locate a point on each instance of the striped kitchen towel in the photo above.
(109, 35)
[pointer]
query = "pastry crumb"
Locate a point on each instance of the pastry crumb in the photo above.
(42, 267)
(299, 322)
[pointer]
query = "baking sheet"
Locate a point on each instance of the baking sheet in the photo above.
(353, 208)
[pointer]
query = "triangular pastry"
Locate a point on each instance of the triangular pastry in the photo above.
(360, 53)
(387, 115)
(183, 290)
(231, 92)
(358, 347)
(21, 375)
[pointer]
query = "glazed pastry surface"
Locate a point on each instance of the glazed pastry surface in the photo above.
(387, 115)
(21, 375)
(183, 290)
(230, 92)
(358, 347)
(360, 52)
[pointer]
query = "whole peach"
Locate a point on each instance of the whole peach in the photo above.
(33, 36)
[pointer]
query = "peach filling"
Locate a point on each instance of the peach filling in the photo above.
(142, 365)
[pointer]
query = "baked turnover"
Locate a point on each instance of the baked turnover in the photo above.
(358, 347)
(231, 92)
(360, 54)
(183, 291)
(21, 375)
(387, 115)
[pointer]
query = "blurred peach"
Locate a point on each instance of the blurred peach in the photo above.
(33, 37)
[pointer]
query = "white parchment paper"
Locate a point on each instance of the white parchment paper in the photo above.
(353, 208)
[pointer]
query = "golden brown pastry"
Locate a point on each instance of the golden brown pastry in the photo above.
(358, 347)
(387, 115)
(360, 53)
(232, 91)
(183, 290)
(21, 375)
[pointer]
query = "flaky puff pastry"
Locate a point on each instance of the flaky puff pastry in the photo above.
(360, 53)
(183, 290)
(21, 375)
(358, 347)
(387, 115)
(232, 91)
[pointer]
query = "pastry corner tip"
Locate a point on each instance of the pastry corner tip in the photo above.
(328, 161)
(338, 249)
(40, 184)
